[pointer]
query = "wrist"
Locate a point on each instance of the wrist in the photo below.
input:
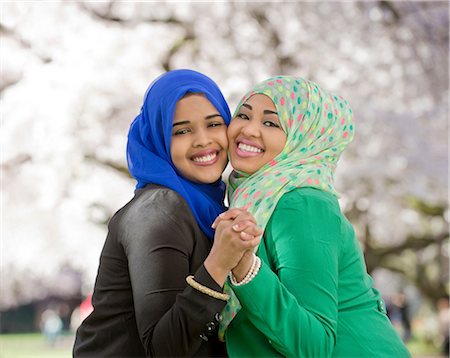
(217, 273)
(252, 272)
(244, 266)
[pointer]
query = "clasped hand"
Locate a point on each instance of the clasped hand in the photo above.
(236, 236)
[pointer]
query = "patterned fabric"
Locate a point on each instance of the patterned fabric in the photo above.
(150, 135)
(318, 126)
(229, 312)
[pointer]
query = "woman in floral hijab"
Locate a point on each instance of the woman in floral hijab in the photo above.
(306, 292)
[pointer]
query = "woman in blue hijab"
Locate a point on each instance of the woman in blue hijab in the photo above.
(159, 287)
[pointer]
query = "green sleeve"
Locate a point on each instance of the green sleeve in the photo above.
(295, 305)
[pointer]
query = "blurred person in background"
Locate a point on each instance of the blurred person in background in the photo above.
(51, 325)
(159, 287)
(306, 292)
(398, 313)
(443, 310)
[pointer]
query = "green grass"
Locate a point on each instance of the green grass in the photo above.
(34, 345)
(421, 348)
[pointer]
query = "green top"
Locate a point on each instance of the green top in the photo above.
(312, 296)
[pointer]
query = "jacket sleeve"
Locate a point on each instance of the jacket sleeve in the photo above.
(298, 314)
(158, 237)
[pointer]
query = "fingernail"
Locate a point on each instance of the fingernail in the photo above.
(236, 227)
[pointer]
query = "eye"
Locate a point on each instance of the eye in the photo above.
(242, 116)
(271, 124)
(215, 124)
(182, 131)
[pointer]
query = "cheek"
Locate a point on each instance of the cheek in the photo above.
(283, 141)
(232, 130)
(280, 142)
(176, 150)
(223, 139)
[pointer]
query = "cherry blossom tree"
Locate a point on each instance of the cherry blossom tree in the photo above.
(73, 76)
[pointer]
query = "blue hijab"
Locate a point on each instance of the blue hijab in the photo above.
(150, 135)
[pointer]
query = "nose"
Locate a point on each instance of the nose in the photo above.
(201, 139)
(251, 129)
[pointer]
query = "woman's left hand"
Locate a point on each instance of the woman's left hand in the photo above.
(244, 223)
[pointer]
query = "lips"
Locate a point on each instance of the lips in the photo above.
(249, 148)
(205, 157)
(246, 148)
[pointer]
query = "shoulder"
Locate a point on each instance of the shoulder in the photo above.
(155, 199)
(304, 222)
(308, 200)
(155, 212)
(165, 198)
(306, 209)
(304, 196)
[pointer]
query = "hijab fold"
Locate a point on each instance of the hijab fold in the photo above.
(150, 135)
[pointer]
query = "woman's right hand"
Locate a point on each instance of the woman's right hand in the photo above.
(236, 233)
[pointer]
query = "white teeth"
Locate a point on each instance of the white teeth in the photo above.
(204, 159)
(249, 148)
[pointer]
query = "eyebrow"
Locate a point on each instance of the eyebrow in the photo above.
(181, 123)
(211, 116)
(266, 111)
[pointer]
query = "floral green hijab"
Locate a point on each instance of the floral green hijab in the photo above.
(319, 126)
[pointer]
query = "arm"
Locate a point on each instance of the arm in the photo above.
(158, 243)
(298, 314)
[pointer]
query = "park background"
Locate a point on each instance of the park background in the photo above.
(73, 75)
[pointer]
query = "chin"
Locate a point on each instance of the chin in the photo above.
(243, 168)
(207, 179)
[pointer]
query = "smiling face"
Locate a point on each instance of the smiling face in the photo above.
(255, 134)
(199, 141)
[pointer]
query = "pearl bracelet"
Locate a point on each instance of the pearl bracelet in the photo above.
(254, 269)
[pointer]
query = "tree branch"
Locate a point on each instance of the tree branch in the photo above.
(108, 163)
(388, 6)
(109, 17)
(16, 161)
(264, 23)
(4, 31)
(411, 242)
(189, 37)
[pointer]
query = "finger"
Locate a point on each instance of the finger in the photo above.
(245, 236)
(252, 243)
(230, 214)
(242, 225)
(253, 230)
(244, 215)
(216, 222)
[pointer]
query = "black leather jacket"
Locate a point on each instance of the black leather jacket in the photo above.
(142, 304)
